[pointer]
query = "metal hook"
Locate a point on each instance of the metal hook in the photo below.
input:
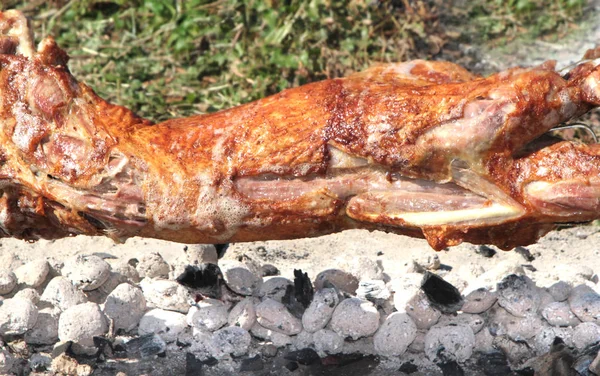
(577, 126)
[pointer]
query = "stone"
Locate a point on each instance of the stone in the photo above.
(7, 360)
(502, 323)
(243, 314)
(166, 294)
(86, 272)
(196, 254)
(8, 281)
(355, 318)
(152, 265)
(585, 304)
(559, 314)
(124, 269)
(32, 274)
(276, 338)
(484, 342)
(518, 295)
(208, 315)
(479, 301)
(560, 291)
(45, 330)
(125, 306)
(81, 323)
(230, 341)
(241, 277)
(29, 294)
(275, 316)
(17, 315)
(303, 340)
(476, 322)
(320, 310)
(168, 324)
(62, 294)
(585, 334)
(39, 362)
(394, 336)
(449, 343)
(275, 288)
(327, 342)
(542, 343)
(65, 365)
(341, 280)
(424, 315)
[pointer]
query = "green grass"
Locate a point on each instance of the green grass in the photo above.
(166, 58)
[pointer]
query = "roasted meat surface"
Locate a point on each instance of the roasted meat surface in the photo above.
(422, 148)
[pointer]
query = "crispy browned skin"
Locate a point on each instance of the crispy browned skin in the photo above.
(419, 148)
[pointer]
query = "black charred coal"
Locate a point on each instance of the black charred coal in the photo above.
(494, 364)
(291, 366)
(485, 251)
(408, 368)
(441, 294)
(206, 278)
(221, 249)
(193, 366)
(303, 288)
(146, 346)
(524, 252)
(305, 356)
(252, 364)
(451, 368)
(269, 270)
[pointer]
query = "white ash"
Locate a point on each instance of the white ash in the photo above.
(8, 281)
(166, 294)
(152, 265)
(86, 272)
(168, 324)
(81, 323)
(45, 330)
(17, 315)
(33, 273)
(29, 294)
(61, 293)
(125, 306)
(230, 341)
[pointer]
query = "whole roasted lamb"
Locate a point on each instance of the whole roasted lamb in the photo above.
(419, 148)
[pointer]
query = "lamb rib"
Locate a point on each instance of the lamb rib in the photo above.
(418, 148)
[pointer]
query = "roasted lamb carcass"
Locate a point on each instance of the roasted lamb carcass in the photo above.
(418, 148)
